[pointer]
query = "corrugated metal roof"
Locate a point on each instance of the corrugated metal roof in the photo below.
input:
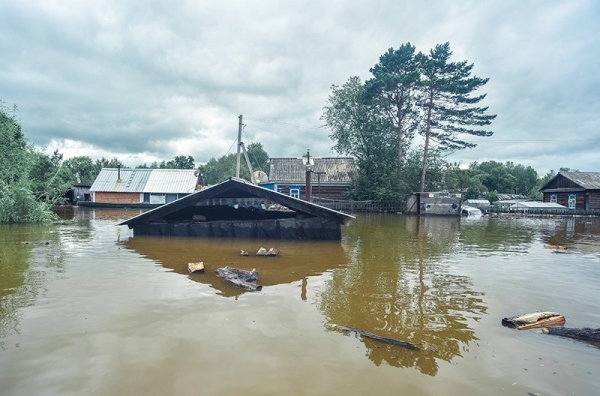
(538, 205)
(478, 201)
(168, 181)
(293, 170)
(171, 181)
(131, 180)
(587, 180)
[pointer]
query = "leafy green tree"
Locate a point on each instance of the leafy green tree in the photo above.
(105, 163)
(448, 108)
(360, 131)
(17, 200)
(182, 162)
(495, 176)
(83, 169)
(14, 149)
(218, 170)
(49, 178)
(526, 179)
(391, 92)
(258, 157)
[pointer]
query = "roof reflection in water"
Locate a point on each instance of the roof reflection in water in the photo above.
(296, 261)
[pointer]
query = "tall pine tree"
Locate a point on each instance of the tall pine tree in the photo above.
(449, 110)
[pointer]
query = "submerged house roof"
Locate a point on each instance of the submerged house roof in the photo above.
(573, 181)
(146, 180)
(237, 208)
(331, 170)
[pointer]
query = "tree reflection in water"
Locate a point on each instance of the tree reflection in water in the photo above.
(397, 286)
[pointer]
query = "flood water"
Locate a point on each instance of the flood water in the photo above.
(97, 311)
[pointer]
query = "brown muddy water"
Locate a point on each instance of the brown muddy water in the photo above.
(97, 311)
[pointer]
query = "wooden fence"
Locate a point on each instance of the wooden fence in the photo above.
(392, 207)
(361, 206)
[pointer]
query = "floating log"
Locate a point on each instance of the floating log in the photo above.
(584, 334)
(534, 320)
(375, 337)
(196, 267)
(559, 247)
(237, 277)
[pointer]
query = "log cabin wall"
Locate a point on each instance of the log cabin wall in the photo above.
(337, 192)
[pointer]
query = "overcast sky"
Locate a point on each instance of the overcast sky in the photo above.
(148, 80)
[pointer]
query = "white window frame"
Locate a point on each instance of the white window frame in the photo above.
(295, 193)
(553, 198)
(572, 203)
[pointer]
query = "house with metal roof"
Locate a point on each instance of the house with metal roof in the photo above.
(236, 208)
(575, 190)
(326, 178)
(537, 207)
(116, 187)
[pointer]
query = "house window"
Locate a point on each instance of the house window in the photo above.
(295, 192)
(553, 198)
(572, 201)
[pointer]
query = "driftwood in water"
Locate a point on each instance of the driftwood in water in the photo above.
(534, 320)
(243, 279)
(372, 336)
(269, 253)
(584, 334)
(558, 247)
(196, 267)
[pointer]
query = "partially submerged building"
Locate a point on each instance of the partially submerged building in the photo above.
(236, 208)
(328, 178)
(575, 190)
(434, 203)
(537, 207)
(116, 187)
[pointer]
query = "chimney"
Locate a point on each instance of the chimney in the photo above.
(119, 174)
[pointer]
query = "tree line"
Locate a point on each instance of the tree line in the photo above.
(409, 94)
(377, 121)
(31, 180)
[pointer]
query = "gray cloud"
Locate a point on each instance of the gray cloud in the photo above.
(150, 80)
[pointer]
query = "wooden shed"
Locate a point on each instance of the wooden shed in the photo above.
(575, 190)
(236, 208)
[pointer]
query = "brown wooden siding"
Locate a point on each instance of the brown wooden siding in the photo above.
(339, 193)
(114, 197)
(562, 198)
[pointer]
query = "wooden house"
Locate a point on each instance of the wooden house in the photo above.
(236, 208)
(116, 187)
(329, 178)
(575, 190)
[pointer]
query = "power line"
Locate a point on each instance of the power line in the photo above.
(290, 124)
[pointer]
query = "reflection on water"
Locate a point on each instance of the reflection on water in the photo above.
(24, 269)
(124, 308)
(398, 289)
(296, 260)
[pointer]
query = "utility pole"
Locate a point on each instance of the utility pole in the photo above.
(237, 166)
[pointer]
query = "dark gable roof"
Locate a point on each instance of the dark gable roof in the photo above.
(241, 190)
(337, 170)
(586, 180)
